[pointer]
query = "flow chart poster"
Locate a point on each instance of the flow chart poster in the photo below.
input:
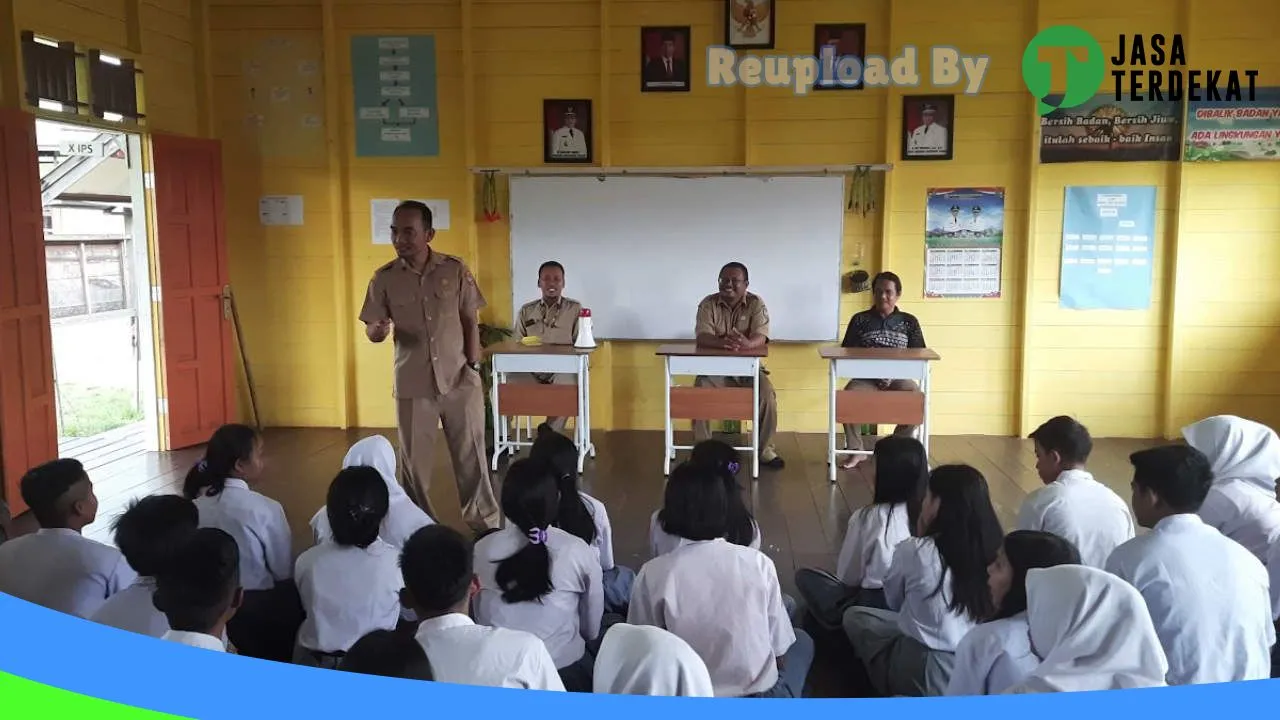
(1108, 235)
(394, 84)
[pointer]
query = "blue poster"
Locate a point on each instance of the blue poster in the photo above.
(394, 86)
(1108, 234)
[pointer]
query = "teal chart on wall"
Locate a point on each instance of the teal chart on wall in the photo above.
(1108, 236)
(394, 87)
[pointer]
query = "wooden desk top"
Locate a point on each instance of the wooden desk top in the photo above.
(688, 349)
(843, 353)
(514, 347)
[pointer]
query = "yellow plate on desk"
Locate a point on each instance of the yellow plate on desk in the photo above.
(532, 341)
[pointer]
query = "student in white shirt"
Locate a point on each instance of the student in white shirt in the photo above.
(1092, 631)
(1072, 505)
(56, 566)
(403, 519)
(742, 527)
(1245, 458)
(351, 584)
(388, 653)
(997, 655)
(901, 474)
(936, 588)
(199, 592)
(220, 485)
(647, 660)
(1208, 596)
(439, 581)
(721, 598)
(584, 516)
(148, 534)
(538, 578)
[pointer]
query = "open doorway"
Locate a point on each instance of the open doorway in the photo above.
(91, 184)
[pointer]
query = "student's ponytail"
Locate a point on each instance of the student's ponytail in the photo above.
(530, 501)
(559, 452)
(229, 445)
(721, 459)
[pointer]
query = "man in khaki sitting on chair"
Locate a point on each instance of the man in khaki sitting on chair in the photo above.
(553, 319)
(734, 319)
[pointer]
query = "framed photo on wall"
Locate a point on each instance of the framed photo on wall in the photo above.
(928, 126)
(664, 59)
(567, 136)
(846, 45)
(749, 24)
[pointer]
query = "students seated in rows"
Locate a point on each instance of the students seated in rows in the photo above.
(583, 516)
(56, 566)
(439, 582)
(1092, 631)
(265, 627)
(901, 475)
(721, 598)
(403, 519)
(541, 579)
(1072, 505)
(647, 660)
(349, 585)
(997, 654)
(1245, 459)
(1208, 596)
(149, 533)
(720, 458)
(199, 592)
(936, 588)
(389, 654)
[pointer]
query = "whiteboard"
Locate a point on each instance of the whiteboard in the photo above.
(641, 252)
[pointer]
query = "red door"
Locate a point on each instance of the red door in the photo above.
(196, 343)
(28, 426)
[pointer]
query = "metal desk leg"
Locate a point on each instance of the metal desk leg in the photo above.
(831, 421)
(755, 422)
(668, 438)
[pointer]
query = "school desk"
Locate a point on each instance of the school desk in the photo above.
(532, 399)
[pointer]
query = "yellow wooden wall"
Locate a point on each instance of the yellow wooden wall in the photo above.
(1008, 363)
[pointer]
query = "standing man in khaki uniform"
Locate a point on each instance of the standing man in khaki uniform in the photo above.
(431, 300)
(553, 319)
(734, 319)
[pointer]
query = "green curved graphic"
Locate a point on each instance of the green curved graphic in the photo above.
(27, 700)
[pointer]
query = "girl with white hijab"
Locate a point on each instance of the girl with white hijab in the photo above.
(1245, 458)
(403, 517)
(1092, 631)
(647, 660)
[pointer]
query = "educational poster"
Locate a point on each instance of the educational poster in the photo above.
(964, 242)
(1235, 130)
(394, 86)
(1107, 239)
(283, 91)
(381, 211)
(1104, 129)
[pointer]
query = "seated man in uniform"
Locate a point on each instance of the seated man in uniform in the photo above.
(553, 319)
(734, 319)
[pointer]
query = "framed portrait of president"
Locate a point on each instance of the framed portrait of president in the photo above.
(846, 44)
(664, 59)
(566, 128)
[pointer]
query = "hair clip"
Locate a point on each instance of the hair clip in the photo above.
(202, 466)
(538, 536)
(733, 468)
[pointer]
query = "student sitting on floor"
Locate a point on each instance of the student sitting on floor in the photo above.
(541, 579)
(1245, 460)
(721, 458)
(902, 472)
(1072, 505)
(389, 654)
(997, 654)
(584, 516)
(56, 566)
(1093, 632)
(148, 534)
(351, 584)
(1208, 596)
(647, 660)
(439, 582)
(403, 519)
(936, 588)
(199, 592)
(721, 598)
(266, 626)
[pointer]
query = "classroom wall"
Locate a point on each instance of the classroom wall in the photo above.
(1008, 363)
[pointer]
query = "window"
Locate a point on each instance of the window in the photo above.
(85, 278)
